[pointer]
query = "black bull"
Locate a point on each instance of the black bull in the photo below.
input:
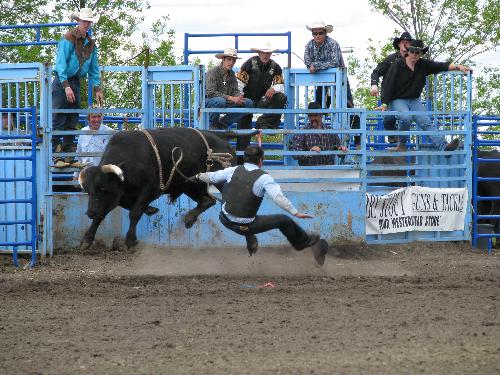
(128, 175)
(489, 188)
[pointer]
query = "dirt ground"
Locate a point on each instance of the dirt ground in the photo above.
(426, 308)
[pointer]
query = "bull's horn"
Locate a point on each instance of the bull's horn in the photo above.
(111, 168)
(81, 178)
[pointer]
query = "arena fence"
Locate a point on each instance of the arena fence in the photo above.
(18, 185)
(174, 96)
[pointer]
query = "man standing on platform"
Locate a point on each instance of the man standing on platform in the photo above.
(76, 58)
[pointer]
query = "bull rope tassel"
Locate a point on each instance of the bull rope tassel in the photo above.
(223, 158)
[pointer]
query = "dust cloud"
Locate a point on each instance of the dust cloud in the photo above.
(270, 261)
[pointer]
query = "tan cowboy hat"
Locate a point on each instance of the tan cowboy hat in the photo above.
(85, 14)
(320, 25)
(265, 47)
(228, 52)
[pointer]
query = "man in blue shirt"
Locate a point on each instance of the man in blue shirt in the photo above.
(76, 58)
(242, 194)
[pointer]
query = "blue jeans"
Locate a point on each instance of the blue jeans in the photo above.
(220, 102)
(65, 121)
(423, 121)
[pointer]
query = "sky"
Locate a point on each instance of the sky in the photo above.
(353, 22)
(350, 23)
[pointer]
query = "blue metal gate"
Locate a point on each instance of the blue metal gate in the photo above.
(18, 192)
(174, 96)
(481, 128)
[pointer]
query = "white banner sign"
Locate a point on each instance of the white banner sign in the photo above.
(416, 208)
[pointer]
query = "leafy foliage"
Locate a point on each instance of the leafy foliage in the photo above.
(454, 30)
(115, 34)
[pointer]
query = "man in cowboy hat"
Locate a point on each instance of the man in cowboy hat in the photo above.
(401, 45)
(323, 52)
(261, 79)
(222, 91)
(316, 142)
(76, 58)
(403, 85)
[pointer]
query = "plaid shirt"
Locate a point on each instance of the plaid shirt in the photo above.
(326, 142)
(218, 84)
(328, 55)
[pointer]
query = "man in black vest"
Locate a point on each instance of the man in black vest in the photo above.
(242, 194)
(261, 80)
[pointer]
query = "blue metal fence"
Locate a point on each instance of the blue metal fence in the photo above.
(340, 189)
(481, 128)
(236, 43)
(37, 28)
(18, 189)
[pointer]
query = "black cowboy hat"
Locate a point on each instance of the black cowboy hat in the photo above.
(417, 46)
(405, 36)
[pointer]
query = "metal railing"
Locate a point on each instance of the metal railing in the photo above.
(236, 43)
(37, 27)
(18, 193)
(481, 128)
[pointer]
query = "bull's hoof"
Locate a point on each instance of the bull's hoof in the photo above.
(150, 210)
(84, 245)
(130, 244)
(189, 220)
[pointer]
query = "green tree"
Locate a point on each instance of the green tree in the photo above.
(454, 30)
(119, 21)
(457, 30)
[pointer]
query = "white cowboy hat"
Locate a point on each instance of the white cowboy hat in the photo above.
(266, 47)
(228, 52)
(320, 25)
(85, 14)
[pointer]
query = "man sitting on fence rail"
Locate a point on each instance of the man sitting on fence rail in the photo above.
(242, 194)
(222, 91)
(261, 80)
(76, 58)
(316, 142)
(403, 86)
(401, 45)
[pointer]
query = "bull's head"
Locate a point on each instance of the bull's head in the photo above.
(104, 185)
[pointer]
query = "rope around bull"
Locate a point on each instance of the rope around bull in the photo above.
(223, 158)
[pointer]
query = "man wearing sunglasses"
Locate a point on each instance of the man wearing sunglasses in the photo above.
(323, 52)
(403, 86)
(401, 45)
